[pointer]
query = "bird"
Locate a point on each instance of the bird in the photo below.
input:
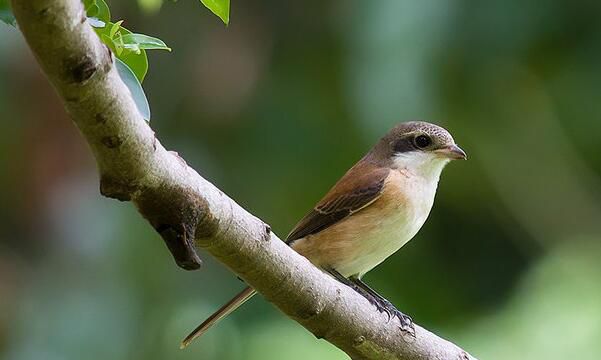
(375, 208)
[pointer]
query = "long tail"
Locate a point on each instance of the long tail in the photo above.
(225, 310)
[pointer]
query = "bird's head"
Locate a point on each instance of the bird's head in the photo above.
(421, 148)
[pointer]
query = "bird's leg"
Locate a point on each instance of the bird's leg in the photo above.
(385, 306)
(338, 276)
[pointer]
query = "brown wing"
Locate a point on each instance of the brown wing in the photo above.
(358, 188)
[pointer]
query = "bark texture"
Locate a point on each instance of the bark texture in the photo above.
(187, 210)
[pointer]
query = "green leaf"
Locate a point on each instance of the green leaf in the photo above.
(220, 8)
(132, 83)
(118, 48)
(108, 42)
(138, 63)
(145, 42)
(97, 9)
(114, 28)
(131, 47)
(104, 13)
(87, 4)
(135, 59)
(6, 14)
(91, 9)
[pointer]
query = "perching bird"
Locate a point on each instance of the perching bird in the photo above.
(370, 213)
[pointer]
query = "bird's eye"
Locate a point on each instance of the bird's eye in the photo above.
(422, 141)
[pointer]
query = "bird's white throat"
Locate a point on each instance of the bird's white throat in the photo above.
(426, 165)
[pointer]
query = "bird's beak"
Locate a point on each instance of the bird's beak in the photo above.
(452, 152)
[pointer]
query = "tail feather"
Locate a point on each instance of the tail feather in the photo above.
(225, 310)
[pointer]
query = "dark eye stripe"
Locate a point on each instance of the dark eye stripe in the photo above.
(404, 144)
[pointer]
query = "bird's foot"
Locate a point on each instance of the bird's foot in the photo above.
(385, 306)
(406, 323)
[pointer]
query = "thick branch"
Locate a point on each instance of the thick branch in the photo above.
(186, 209)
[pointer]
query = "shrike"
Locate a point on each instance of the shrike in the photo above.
(370, 213)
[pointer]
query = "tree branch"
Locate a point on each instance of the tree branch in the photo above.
(187, 210)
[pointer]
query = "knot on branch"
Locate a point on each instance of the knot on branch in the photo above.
(80, 68)
(116, 188)
(112, 142)
(178, 215)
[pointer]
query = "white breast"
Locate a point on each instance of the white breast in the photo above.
(390, 233)
(417, 177)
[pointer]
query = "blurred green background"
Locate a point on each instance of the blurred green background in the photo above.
(273, 109)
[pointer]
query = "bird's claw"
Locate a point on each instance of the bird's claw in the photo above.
(406, 323)
(385, 306)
